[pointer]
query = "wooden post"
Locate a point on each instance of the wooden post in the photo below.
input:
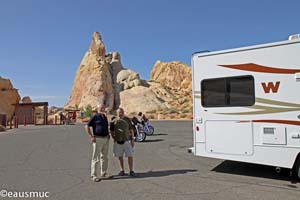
(33, 115)
(45, 115)
(24, 120)
(55, 120)
(10, 123)
(16, 122)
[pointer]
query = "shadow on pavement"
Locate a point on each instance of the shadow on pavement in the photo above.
(253, 170)
(153, 174)
(155, 140)
(159, 134)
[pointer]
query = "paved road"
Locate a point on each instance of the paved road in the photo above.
(57, 159)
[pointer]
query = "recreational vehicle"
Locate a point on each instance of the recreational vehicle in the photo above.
(247, 104)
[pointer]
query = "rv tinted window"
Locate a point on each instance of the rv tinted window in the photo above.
(213, 92)
(226, 92)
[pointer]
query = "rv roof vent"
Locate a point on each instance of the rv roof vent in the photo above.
(294, 37)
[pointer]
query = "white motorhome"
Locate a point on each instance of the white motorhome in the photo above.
(247, 104)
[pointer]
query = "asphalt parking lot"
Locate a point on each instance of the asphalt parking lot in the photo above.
(56, 159)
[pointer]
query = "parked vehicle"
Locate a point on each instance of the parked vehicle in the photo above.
(148, 128)
(247, 103)
(138, 128)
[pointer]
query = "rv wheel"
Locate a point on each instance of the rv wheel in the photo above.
(296, 169)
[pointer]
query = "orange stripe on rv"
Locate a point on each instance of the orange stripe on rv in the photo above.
(278, 121)
(273, 121)
(260, 68)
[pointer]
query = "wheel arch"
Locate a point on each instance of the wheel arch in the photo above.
(296, 166)
(296, 161)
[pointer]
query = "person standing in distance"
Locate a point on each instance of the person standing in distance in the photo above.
(123, 136)
(100, 142)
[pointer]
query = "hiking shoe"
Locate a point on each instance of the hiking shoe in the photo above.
(122, 173)
(95, 179)
(132, 174)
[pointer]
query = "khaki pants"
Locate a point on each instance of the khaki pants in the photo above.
(100, 153)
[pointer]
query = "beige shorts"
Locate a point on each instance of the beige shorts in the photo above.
(120, 149)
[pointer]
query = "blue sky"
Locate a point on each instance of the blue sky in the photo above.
(43, 41)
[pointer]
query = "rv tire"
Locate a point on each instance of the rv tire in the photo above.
(296, 168)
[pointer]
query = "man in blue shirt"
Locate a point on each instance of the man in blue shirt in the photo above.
(100, 141)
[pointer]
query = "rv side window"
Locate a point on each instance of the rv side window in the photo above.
(227, 92)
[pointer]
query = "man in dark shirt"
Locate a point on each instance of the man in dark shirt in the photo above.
(100, 141)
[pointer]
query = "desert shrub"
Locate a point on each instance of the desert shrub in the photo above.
(183, 100)
(183, 115)
(187, 110)
(2, 128)
(132, 113)
(113, 112)
(151, 116)
(172, 111)
(175, 98)
(152, 111)
(88, 111)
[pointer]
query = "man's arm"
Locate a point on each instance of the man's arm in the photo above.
(88, 130)
(113, 135)
(131, 132)
(131, 137)
(112, 130)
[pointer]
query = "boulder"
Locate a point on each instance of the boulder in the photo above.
(140, 99)
(172, 82)
(175, 75)
(26, 99)
(8, 96)
(93, 81)
(129, 79)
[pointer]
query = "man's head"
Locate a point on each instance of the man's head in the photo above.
(101, 108)
(120, 112)
(140, 114)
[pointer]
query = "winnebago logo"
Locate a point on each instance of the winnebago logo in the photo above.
(271, 87)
